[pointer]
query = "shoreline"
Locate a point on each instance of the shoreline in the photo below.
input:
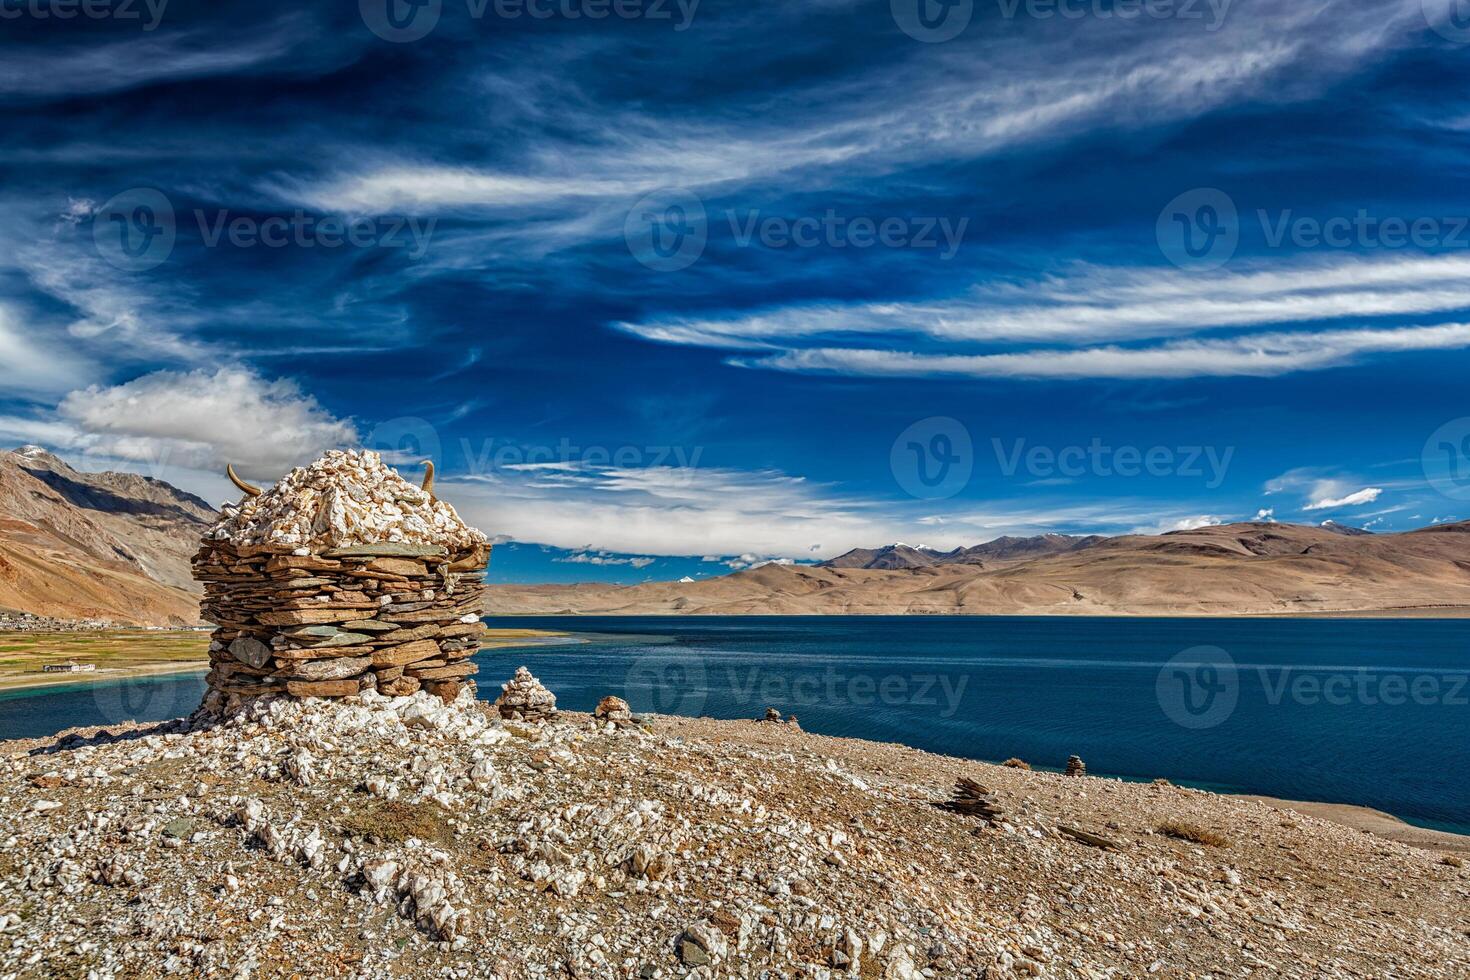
(1369, 821)
(495, 639)
(1354, 816)
(26, 682)
(1403, 612)
(1363, 819)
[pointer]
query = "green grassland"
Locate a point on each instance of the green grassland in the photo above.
(22, 655)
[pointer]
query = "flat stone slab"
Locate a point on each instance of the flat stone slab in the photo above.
(388, 550)
(370, 626)
(326, 670)
(408, 653)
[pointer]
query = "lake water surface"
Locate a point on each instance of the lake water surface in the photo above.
(1373, 712)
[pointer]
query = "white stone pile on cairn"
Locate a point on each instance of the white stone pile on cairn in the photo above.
(342, 577)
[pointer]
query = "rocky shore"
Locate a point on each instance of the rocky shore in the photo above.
(404, 837)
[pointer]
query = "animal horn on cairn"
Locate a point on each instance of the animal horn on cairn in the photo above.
(250, 490)
(429, 478)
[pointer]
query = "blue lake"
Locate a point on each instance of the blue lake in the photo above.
(1373, 712)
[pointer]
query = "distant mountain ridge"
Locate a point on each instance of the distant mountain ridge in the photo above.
(1000, 550)
(106, 545)
(1233, 569)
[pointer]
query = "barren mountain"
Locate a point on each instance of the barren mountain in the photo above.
(96, 545)
(1002, 549)
(1233, 569)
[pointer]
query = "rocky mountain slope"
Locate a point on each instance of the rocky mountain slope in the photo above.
(80, 545)
(1002, 549)
(1228, 570)
(406, 838)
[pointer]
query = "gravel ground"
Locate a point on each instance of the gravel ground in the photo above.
(408, 838)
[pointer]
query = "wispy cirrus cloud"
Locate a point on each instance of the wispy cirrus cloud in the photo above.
(1251, 355)
(1099, 315)
(1090, 304)
(1008, 84)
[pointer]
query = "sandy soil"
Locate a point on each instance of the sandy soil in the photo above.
(1374, 822)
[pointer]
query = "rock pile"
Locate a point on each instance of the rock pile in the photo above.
(342, 578)
(524, 698)
(1076, 767)
(974, 800)
(613, 709)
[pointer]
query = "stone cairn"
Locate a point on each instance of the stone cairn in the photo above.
(524, 698)
(1076, 767)
(341, 578)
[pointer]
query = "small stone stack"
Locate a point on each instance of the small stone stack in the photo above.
(974, 800)
(341, 578)
(523, 698)
(1076, 767)
(613, 709)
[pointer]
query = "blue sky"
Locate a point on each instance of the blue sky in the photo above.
(687, 287)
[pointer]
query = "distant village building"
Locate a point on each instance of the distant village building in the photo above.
(67, 668)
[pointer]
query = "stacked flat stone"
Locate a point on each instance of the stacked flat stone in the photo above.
(524, 698)
(974, 800)
(1076, 767)
(329, 618)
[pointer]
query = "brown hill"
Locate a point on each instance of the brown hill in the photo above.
(1234, 569)
(110, 546)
